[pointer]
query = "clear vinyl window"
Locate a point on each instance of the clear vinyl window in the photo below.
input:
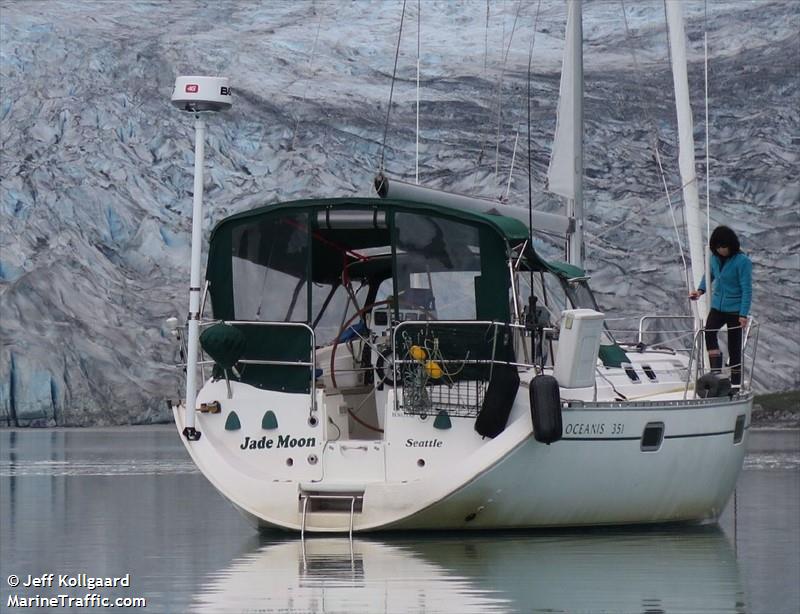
(269, 270)
(438, 262)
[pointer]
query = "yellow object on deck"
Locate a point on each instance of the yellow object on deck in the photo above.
(434, 369)
(418, 353)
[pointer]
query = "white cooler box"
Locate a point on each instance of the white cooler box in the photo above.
(578, 345)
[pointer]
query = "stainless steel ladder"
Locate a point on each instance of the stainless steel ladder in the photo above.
(306, 497)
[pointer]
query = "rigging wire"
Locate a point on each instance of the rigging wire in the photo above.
(707, 264)
(486, 78)
(642, 206)
(530, 150)
(531, 300)
(391, 90)
(516, 138)
(500, 92)
(308, 82)
(511, 169)
(655, 139)
(486, 44)
(498, 95)
(416, 158)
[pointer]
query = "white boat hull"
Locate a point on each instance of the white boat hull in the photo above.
(596, 481)
(598, 474)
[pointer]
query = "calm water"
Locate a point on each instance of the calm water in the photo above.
(113, 502)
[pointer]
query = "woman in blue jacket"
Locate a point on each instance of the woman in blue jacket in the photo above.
(731, 293)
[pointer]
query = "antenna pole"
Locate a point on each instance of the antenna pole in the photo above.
(197, 94)
(194, 283)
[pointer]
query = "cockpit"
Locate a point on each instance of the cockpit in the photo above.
(342, 296)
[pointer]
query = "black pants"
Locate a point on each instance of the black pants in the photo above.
(716, 320)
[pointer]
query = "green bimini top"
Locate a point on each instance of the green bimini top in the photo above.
(335, 233)
(511, 229)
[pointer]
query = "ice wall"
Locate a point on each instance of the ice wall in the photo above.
(96, 166)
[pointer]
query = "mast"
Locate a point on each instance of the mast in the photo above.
(565, 174)
(686, 162)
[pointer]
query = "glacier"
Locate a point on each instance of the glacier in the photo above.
(96, 166)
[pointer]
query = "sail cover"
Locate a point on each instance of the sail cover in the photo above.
(561, 173)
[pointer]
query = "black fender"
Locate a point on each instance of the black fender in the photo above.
(545, 399)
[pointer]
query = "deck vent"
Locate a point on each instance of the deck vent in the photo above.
(631, 372)
(738, 431)
(652, 436)
(648, 371)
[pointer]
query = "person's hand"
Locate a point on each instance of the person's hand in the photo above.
(743, 321)
(695, 294)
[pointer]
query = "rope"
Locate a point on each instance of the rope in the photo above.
(353, 412)
(610, 383)
(364, 424)
(391, 90)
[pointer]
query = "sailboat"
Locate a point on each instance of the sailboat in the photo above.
(409, 361)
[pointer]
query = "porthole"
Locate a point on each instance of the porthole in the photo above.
(738, 431)
(652, 436)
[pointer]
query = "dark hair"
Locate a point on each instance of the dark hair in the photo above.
(724, 237)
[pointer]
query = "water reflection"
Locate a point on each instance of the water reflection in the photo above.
(676, 570)
(117, 501)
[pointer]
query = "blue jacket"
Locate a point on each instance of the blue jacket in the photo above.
(732, 287)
